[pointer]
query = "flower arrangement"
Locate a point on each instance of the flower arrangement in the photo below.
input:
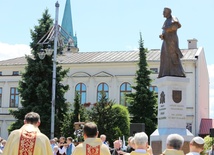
(87, 104)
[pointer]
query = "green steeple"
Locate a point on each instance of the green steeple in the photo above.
(67, 23)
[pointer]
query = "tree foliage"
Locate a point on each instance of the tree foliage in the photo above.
(208, 142)
(121, 119)
(78, 114)
(143, 102)
(112, 120)
(35, 87)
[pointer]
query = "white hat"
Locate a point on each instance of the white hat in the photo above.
(198, 140)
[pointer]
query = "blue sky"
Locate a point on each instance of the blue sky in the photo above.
(110, 25)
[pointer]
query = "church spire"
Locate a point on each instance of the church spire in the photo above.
(67, 23)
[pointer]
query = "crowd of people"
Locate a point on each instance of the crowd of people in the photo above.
(62, 146)
(28, 140)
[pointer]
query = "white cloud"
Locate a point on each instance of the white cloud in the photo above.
(8, 51)
(129, 47)
(211, 76)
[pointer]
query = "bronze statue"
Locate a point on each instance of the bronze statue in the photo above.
(170, 64)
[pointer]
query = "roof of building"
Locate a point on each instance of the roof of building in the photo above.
(103, 57)
(205, 126)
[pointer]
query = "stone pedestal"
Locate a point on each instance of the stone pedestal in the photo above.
(171, 112)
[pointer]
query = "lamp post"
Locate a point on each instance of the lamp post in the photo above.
(42, 53)
(60, 36)
(54, 71)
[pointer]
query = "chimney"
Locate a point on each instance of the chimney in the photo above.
(192, 43)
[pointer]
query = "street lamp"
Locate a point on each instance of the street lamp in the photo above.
(55, 34)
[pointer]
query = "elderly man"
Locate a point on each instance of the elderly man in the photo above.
(196, 146)
(141, 144)
(174, 145)
(103, 138)
(117, 148)
(92, 145)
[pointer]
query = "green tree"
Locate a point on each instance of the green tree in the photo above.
(208, 142)
(121, 122)
(143, 102)
(112, 120)
(35, 87)
(75, 115)
(67, 128)
(79, 112)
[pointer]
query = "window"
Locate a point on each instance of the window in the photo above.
(81, 90)
(125, 88)
(15, 72)
(189, 126)
(0, 73)
(154, 70)
(14, 97)
(102, 87)
(154, 88)
(0, 96)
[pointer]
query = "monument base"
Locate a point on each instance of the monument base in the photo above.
(172, 98)
(158, 139)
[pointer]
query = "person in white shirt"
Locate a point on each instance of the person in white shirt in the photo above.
(62, 146)
(196, 146)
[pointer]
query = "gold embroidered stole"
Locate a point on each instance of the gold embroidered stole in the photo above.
(27, 142)
(90, 150)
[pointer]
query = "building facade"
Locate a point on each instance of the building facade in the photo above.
(114, 73)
